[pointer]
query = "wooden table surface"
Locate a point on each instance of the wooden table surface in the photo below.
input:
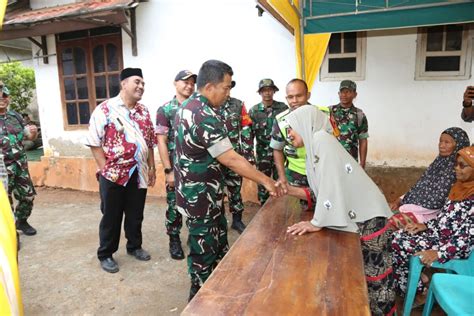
(269, 272)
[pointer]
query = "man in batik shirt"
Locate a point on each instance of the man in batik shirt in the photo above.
(184, 83)
(202, 145)
(121, 137)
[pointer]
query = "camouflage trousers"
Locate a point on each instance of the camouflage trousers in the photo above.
(266, 166)
(299, 180)
(174, 219)
(233, 184)
(21, 187)
(207, 242)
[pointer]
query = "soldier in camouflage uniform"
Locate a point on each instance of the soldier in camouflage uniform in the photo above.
(13, 132)
(262, 116)
(238, 125)
(351, 121)
(184, 83)
(202, 145)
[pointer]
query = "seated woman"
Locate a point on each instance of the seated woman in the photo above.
(426, 198)
(347, 200)
(449, 236)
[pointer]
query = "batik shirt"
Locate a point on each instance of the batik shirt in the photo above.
(201, 136)
(11, 137)
(238, 124)
(125, 135)
(454, 230)
(262, 123)
(353, 125)
(164, 123)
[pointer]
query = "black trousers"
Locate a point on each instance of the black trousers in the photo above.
(115, 201)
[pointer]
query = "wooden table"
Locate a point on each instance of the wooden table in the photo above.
(269, 272)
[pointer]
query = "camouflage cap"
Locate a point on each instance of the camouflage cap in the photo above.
(266, 83)
(4, 89)
(348, 84)
(185, 75)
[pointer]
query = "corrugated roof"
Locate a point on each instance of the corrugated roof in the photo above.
(85, 8)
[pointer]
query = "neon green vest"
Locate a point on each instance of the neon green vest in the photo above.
(295, 157)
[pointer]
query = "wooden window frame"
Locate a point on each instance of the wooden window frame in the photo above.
(360, 55)
(465, 61)
(87, 44)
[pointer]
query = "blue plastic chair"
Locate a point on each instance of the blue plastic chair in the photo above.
(454, 293)
(459, 266)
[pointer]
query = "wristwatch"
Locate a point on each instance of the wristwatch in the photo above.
(168, 170)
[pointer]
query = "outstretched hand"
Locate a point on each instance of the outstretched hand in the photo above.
(302, 228)
(274, 188)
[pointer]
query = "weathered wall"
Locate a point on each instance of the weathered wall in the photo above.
(79, 174)
(406, 116)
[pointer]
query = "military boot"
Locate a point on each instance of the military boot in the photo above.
(237, 223)
(26, 228)
(193, 291)
(176, 251)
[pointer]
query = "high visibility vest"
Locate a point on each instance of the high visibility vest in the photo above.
(295, 157)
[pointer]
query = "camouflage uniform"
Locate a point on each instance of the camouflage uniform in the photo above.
(353, 126)
(200, 137)
(14, 155)
(238, 125)
(262, 121)
(164, 126)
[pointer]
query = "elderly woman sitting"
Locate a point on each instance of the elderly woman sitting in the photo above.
(448, 236)
(347, 200)
(426, 198)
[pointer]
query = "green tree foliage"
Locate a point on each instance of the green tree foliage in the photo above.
(20, 80)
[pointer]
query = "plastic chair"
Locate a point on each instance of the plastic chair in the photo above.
(454, 293)
(459, 266)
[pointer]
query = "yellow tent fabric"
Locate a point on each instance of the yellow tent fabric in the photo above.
(3, 7)
(315, 45)
(10, 293)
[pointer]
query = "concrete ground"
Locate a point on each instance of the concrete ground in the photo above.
(60, 273)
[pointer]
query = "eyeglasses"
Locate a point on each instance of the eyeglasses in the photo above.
(461, 165)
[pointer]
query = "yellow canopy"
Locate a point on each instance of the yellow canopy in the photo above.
(10, 294)
(314, 46)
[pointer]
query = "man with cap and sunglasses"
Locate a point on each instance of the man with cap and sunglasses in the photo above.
(184, 84)
(121, 137)
(238, 124)
(263, 116)
(351, 122)
(13, 131)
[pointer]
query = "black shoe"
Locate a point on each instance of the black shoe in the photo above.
(140, 254)
(176, 251)
(237, 223)
(109, 265)
(26, 228)
(193, 291)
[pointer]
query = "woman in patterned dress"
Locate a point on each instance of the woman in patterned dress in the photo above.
(426, 198)
(446, 237)
(347, 200)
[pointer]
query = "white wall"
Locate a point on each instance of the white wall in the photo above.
(38, 4)
(181, 34)
(405, 116)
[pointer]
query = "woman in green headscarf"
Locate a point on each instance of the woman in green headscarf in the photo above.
(346, 199)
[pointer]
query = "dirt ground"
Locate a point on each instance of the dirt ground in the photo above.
(60, 273)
